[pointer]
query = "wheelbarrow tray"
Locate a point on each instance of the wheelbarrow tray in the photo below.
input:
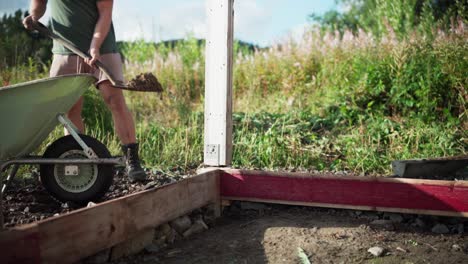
(28, 111)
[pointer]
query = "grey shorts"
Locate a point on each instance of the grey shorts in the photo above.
(71, 64)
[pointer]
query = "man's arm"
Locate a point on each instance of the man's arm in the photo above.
(101, 30)
(37, 9)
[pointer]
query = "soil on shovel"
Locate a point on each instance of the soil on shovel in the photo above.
(145, 81)
(274, 234)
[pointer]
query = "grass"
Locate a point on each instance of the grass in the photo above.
(323, 102)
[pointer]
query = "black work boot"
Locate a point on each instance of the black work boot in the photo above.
(134, 170)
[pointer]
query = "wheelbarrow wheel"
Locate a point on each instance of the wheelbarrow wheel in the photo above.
(76, 183)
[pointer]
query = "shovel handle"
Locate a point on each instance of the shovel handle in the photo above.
(46, 32)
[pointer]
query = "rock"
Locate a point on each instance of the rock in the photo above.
(364, 227)
(160, 241)
(395, 218)
(197, 227)
(134, 245)
(376, 251)
(369, 216)
(90, 204)
(174, 252)
(196, 216)
(456, 247)
(152, 248)
(419, 223)
(440, 229)
(382, 223)
(209, 218)
(166, 229)
(26, 210)
(168, 233)
(151, 185)
(181, 224)
(99, 258)
(150, 259)
(252, 206)
(402, 250)
(460, 229)
(56, 214)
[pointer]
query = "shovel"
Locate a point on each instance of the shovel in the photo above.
(143, 83)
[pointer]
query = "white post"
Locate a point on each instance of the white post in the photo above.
(218, 83)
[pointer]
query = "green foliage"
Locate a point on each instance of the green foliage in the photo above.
(18, 45)
(396, 89)
(418, 79)
(137, 51)
(398, 17)
(96, 115)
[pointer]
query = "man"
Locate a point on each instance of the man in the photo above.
(88, 25)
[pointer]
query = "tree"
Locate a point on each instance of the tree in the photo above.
(17, 44)
(402, 16)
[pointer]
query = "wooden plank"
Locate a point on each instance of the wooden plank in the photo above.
(218, 83)
(20, 245)
(432, 197)
(84, 232)
(429, 168)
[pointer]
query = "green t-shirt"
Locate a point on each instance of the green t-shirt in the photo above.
(75, 20)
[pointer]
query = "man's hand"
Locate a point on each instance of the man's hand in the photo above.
(101, 29)
(28, 21)
(95, 55)
(37, 9)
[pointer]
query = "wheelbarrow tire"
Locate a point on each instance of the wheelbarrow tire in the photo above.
(99, 177)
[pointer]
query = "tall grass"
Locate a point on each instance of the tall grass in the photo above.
(328, 101)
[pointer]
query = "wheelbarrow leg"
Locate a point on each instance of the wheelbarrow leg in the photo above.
(74, 133)
(10, 177)
(5, 184)
(1, 211)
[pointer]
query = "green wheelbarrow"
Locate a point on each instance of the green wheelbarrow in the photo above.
(75, 168)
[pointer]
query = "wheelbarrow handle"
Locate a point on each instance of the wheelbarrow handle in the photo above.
(42, 29)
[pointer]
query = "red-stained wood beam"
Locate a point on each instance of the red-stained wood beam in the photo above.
(433, 197)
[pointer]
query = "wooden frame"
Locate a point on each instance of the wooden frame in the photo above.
(432, 197)
(82, 233)
(74, 236)
(218, 83)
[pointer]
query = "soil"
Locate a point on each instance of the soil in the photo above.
(275, 234)
(145, 81)
(27, 201)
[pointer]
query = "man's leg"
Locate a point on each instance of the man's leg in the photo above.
(123, 119)
(125, 128)
(75, 116)
(70, 64)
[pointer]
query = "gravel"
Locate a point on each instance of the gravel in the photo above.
(26, 200)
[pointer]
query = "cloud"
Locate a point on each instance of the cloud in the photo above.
(156, 21)
(297, 32)
(185, 18)
(9, 6)
(170, 22)
(251, 20)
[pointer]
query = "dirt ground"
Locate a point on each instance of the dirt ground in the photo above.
(259, 233)
(26, 200)
(274, 234)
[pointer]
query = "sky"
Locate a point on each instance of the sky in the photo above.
(261, 22)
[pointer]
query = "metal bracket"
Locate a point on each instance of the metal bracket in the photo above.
(74, 133)
(212, 154)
